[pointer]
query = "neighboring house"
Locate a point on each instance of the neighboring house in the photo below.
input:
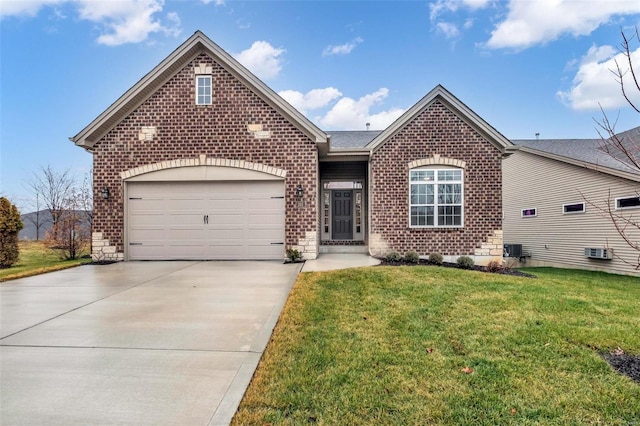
(556, 197)
(201, 160)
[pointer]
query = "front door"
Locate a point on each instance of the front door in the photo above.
(342, 203)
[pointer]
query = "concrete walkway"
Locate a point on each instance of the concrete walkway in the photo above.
(136, 343)
(329, 262)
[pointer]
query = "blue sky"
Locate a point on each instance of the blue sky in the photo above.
(525, 66)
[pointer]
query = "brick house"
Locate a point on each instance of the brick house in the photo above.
(201, 160)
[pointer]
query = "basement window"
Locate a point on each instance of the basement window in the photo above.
(533, 212)
(203, 90)
(628, 202)
(573, 208)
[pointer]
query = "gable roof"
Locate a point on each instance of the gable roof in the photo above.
(588, 153)
(171, 65)
(439, 93)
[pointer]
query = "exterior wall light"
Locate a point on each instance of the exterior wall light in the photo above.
(105, 193)
(299, 191)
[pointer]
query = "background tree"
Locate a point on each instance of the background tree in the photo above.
(622, 148)
(52, 189)
(69, 236)
(10, 225)
(86, 197)
(38, 218)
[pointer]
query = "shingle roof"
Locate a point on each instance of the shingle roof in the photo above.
(352, 139)
(590, 151)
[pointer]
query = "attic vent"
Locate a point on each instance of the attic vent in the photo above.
(598, 253)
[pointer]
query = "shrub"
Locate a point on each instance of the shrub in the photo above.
(494, 266)
(294, 255)
(394, 256)
(465, 262)
(68, 237)
(435, 258)
(10, 225)
(412, 257)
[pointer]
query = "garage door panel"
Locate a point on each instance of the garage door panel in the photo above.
(206, 220)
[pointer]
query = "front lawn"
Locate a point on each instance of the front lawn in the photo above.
(36, 259)
(431, 345)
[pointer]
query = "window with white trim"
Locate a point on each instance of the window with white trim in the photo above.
(530, 212)
(203, 90)
(628, 202)
(436, 198)
(573, 208)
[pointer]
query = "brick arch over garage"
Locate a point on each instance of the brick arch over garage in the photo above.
(137, 173)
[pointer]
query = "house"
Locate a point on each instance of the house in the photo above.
(557, 199)
(201, 160)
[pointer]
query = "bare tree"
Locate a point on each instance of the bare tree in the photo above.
(85, 194)
(37, 218)
(69, 236)
(621, 147)
(52, 189)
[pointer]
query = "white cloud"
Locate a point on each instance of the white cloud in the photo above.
(121, 21)
(595, 85)
(442, 6)
(449, 29)
(532, 22)
(217, 2)
(262, 59)
(351, 114)
(342, 49)
(314, 99)
(25, 7)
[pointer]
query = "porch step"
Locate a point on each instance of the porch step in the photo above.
(344, 250)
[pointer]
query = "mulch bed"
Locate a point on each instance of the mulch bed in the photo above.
(423, 262)
(628, 365)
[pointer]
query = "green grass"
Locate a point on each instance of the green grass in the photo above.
(387, 345)
(36, 259)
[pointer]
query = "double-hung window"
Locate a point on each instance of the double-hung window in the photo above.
(203, 90)
(436, 198)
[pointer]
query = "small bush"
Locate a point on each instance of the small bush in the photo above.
(10, 225)
(435, 258)
(412, 257)
(394, 256)
(294, 255)
(465, 262)
(494, 266)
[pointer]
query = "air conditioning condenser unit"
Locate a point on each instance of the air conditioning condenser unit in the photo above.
(598, 253)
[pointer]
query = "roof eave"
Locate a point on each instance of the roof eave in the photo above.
(197, 43)
(592, 166)
(440, 93)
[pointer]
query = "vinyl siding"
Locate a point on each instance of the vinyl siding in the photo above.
(556, 239)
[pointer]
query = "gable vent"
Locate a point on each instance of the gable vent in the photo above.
(598, 253)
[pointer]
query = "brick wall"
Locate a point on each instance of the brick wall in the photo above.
(186, 130)
(436, 131)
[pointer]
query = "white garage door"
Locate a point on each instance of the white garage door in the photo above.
(205, 220)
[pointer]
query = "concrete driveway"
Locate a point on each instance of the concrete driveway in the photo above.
(144, 343)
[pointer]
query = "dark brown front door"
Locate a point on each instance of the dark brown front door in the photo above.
(342, 203)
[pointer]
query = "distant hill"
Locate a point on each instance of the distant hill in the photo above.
(44, 218)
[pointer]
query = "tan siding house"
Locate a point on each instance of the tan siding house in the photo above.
(546, 184)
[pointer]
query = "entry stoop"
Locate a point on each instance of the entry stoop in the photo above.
(339, 249)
